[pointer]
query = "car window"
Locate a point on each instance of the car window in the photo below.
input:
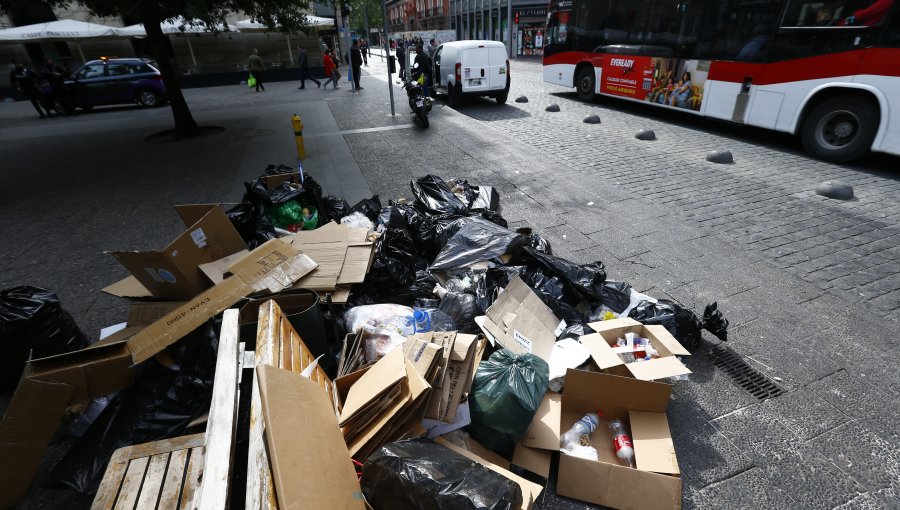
(120, 69)
(90, 71)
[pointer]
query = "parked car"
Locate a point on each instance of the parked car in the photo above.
(111, 81)
(471, 68)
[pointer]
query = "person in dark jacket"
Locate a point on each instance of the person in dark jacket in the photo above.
(356, 61)
(401, 60)
(27, 81)
(56, 76)
(424, 63)
(303, 60)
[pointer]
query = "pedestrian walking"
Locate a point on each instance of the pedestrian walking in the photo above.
(59, 94)
(401, 60)
(256, 69)
(432, 46)
(424, 63)
(331, 70)
(27, 81)
(303, 60)
(364, 46)
(356, 60)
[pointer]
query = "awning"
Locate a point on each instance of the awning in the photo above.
(248, 25)
(61, 30)
(175, 27)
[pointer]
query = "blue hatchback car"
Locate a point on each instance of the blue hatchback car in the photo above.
(115, 81)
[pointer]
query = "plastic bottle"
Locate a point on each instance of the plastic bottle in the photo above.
(583, 427)
(622, 442)
(432, 319)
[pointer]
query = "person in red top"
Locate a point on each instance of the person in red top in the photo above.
(872, 15)
(330, 69)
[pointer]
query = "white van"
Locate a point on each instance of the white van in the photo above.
(476, 68)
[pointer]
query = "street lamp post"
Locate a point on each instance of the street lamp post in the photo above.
(385, 47)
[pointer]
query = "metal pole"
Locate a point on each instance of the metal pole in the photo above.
(366, 21)
(490, 12)
(290, 53)
(190, 48)
(512, 50)
(385, 46)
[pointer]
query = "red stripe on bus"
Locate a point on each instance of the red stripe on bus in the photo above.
(872, 61)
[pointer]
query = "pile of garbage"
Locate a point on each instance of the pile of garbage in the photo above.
(451, 351)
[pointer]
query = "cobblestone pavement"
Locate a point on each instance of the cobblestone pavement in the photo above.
(661, 217)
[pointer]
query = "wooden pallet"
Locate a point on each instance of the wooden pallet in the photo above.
(184, 473)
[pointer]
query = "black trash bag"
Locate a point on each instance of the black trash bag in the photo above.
(530, 239)
(384, 217)
(475, 241)
(396, 260)
(254, 228)
(576, 331)
(492, 216)
(369, 207)
(506, 392)
(488, 284)
(32, 320)
(476, 197)
(682, 323)
(279, 169)
(443, 228)
(555, 294)
(434, 196)
(418, 474)
(616, 296)
(308, 193)
(159, 405)
(370, 294)
(462, 309)
(585, 280)
(335, 208)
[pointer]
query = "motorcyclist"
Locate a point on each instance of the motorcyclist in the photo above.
(423, 61)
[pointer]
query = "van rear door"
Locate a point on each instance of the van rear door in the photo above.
(497, 75)
(475, 67)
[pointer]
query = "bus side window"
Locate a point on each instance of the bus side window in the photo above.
(738, 30)
(892, 36)
(842, 13)
(590, 21)
(811, 28)
(676, 25)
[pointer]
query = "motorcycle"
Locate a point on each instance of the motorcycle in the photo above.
(418, 102)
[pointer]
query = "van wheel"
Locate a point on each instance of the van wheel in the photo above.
(452, 96)
(501, 99)
(840, 129)
(584, 84)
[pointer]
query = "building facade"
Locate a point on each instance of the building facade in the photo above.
(418, 15)
(490, 19)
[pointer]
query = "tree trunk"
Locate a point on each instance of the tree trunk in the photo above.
(185, 125)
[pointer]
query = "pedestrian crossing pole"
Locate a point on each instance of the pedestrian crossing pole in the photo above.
(298, 135)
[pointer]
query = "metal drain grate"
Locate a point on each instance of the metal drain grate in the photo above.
(746, 377)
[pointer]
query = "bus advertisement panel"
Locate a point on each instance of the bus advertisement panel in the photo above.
(671, 82)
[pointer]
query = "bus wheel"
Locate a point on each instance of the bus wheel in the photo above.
(584, 84)
(840, 129)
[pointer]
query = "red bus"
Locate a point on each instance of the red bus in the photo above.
(827, 71)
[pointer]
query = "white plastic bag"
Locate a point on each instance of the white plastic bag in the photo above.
(358, 220)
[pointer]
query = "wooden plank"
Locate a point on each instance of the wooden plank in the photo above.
(112, 479)
(213, 492)
(260, 490)
(131, 484)
(153, 480)
(173, 481)
(192, 478)
(167, 445)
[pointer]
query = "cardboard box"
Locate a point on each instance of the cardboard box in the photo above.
(174, 272)
(311, 466)
(343, 254)
(519, 321)
(601, 345)
(457, 370)
(655, 484)
(52, 384)
(380, 403)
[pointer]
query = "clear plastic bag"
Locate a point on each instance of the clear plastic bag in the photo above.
(357, 220)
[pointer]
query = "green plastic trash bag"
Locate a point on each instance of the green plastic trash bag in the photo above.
(251, 81)
(293, 216)
(507, 391)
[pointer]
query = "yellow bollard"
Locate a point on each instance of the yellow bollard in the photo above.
(298, 135)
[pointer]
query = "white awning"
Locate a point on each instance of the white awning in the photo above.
(248, 25)
(61, 30)
(175, 27)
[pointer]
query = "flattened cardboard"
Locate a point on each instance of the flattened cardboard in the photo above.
(521, 322)
(384, 375)
(99, 370)
(530, 490)
(217, 269)
(544, 433)
(653, 446)
(128, 287)
(310, 463)
(456, 379)
(272, 181)
(173, 272)
(143, 313)
(423, 354)
(601, 345)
